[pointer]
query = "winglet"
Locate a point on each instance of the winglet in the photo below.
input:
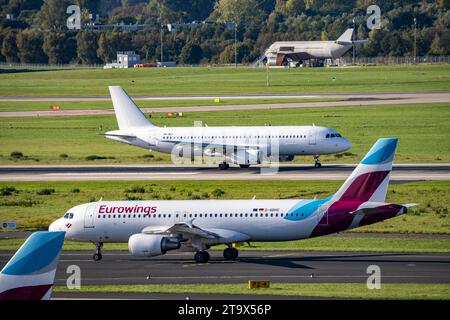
(127, 112)
(30, 273)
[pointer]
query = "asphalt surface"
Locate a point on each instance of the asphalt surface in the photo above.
(372, 99)
(401, 172)
(120, 268)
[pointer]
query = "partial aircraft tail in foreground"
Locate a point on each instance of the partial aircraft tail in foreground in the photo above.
(128, 114)
(30, 273)
(370, 179)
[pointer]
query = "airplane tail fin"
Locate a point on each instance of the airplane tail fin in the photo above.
(128, 114)
(370, 179)
(346, 36)
(30, 273)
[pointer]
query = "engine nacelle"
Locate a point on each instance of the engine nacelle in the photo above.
(285, 158)
(150, 245)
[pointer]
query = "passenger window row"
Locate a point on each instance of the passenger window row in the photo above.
(236, 137)
(200, 215)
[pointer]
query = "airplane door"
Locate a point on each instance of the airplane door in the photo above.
(312, 136)
(89, 217)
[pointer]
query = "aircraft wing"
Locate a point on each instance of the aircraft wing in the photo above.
(189, 231)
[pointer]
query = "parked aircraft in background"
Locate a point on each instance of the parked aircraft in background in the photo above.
(30, 273)
(244, 146)
(154, 227)
(284, 52)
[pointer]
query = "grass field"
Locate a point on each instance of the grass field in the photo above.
(422, 131)
(188, 81)
(89, 105)
(342, 244)
(31, 209)
(327, 290)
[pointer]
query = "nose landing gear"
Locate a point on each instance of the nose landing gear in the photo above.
(223, 166)
(317, 163)
(98, 253)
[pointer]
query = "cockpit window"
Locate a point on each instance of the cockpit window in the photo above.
(68, 215)
(328, 135)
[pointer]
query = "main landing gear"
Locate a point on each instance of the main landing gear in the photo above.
(230, 253)
(98, 251)
(317, 163)
(223, 166)
(201, 257)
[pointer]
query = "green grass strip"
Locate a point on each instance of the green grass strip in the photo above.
(325, 290)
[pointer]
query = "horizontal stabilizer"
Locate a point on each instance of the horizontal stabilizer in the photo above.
(351, 43)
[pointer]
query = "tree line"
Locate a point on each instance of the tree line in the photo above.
(37, 33)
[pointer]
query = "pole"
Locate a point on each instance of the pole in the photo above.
(353, 35)
(267, 75)
(235, 45)
(162, 44)
(415, 45)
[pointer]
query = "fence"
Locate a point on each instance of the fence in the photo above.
(393, 60)
(31, 66)
(258, 63)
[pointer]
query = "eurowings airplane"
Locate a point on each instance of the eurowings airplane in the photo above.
(281, 52)
(244, 146)
(30, 273)
(152, 228)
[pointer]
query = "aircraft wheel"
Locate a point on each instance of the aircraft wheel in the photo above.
(223, 166)
(201, 257)
(230, 253)
(317, 165)
(97, 256)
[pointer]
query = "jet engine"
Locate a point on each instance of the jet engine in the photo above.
(150, 245)
(285, 158)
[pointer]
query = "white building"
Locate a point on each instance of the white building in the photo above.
(126, 59)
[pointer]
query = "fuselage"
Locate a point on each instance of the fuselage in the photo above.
(310, 49)
(260, 220)
(285, 140)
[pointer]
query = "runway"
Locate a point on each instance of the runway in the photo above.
(120, 268)
(370, 99)
(401, 172)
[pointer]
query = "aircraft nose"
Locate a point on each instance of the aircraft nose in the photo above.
(55, 226)
(345, 144)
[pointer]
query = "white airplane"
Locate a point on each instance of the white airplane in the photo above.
(152, 228)
(244, 146)
(282, 52)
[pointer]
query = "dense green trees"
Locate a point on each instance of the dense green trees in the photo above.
(38, 32)
(30, 47)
